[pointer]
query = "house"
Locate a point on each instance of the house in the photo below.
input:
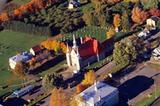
(22, 57)
(144, 34)
(90, 50)
(36, 50)
(73, 3)
(156, 53)
(99, 94)
(152, 22)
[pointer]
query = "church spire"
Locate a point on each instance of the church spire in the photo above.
(74, 42)
(67, 48)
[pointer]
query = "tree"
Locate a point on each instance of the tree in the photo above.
(139, 16)
(89, 78)
(80, 88)
(4, 17)
(125, 22)
(110, 33)
(148, 4)
(89, 18)
(59, 98)
(125, 51)
(154, 12)
(52, 80)
(116, 21)
(20, 70)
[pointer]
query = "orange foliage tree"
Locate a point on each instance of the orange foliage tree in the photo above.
(59, 98)
(80, 88)
(4, 17)
(116, 21)
(139, 16)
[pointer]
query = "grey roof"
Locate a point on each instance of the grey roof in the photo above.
(93, 96)
(155, 18)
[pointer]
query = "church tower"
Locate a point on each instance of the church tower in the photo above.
(68, 57)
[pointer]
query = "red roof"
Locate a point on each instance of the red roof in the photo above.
(36, 48)
(90, 47)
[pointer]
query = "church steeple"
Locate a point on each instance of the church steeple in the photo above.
(67, 48)
(74, 42)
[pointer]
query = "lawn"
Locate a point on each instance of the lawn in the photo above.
(93, 31)
(21, 1)
(146, 101)
(12, 43)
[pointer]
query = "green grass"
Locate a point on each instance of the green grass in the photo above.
(148, 100)
(21, 1)
(12, 43)
(93, 31)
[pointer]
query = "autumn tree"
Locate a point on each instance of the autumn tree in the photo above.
(19, 70)
(154, 12)
(110, 33)
(4, 17)
(138, 16)
(80, 88)
(89, 78)
(59, 98)
(116, 21)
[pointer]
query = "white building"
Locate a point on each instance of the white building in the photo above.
(73, 3)
(152, 22)
(156, 53)
(144, 34)
(22, 57)
(99, 94)
(90, 50)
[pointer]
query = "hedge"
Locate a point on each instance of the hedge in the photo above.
(27, 28)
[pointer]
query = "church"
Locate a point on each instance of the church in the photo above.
(89, 50)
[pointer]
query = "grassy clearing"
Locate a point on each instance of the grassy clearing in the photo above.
(12, 43)
(93, 31)
(21, 1)
(148, 100)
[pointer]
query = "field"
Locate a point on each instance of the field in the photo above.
(12, 43)
(21, 1)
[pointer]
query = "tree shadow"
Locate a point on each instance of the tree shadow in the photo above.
(15, 102)
(47, 65)
(133, 87)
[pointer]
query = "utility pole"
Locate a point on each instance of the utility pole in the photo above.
(155, 90)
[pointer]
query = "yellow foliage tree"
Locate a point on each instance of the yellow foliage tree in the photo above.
(110, 33)
(59, 98)
(89, 78)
